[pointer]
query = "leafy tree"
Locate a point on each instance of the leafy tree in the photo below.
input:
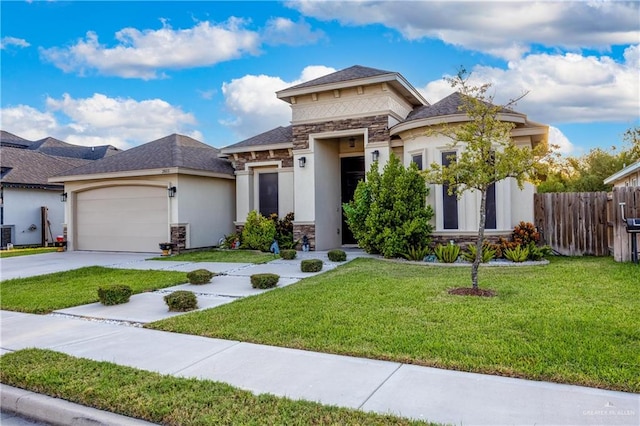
(388, 212)
(486, 153)
(588, 172)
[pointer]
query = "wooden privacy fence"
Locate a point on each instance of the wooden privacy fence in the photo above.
(587, 223)
(573, 223)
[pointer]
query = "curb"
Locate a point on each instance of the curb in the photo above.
(57, 411)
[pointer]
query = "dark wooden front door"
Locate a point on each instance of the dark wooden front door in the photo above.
(352, 172)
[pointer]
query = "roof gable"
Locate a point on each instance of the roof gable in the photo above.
(352, 73)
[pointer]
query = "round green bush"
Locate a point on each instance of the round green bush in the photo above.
(200, 276)
(337, 255)
(288, 254)
(263, 281)
(181, 301)
(311, 265)
(114, 294)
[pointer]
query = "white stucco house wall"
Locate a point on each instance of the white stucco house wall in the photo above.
(340, 124)
(174, 189)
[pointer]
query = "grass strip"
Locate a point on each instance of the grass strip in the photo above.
(216, 255)
(25, 252)
(576, 320)
(165, 399)
(45, 293)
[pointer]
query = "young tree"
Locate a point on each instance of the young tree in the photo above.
(486, 153)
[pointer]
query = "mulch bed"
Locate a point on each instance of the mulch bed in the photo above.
(470, 291)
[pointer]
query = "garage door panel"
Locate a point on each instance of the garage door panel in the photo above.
(124, 218)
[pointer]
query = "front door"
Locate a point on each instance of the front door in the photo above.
(352, 172)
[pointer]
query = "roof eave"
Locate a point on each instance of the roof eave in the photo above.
(396, 79)
(622, 173)
(451, 118)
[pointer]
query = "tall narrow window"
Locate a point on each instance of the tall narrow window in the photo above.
(490, 222)
(449, 202)
(268, 193)
(417, 158)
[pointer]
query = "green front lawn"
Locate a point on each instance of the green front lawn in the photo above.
(26, 251)
(576, 320)
(45, 293)
(216, 255)
(167, 400)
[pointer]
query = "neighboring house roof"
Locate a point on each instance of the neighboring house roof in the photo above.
(58, 148)
(279, 135)
(9, 139)
(52, 146)
(633, 168)
(351, 77)
(31, 169)
(171, 151)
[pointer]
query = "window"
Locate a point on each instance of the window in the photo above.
(490, 222)
(268, 193)
(417, 158)
(449, 202)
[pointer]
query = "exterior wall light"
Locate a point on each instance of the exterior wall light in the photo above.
(63, 197)
(171, 191)
(302, 161)
(375, 155)
(352, 142)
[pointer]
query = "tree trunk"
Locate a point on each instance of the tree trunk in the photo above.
(480, 241)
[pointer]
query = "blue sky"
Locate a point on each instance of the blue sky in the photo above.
(126, 73)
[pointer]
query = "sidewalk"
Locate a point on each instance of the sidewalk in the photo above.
(380, 386)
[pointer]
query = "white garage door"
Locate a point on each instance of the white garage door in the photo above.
(122, 218)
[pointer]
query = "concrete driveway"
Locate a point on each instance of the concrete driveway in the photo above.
(46, 263)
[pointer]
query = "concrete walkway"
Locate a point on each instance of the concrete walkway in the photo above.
(380, 386)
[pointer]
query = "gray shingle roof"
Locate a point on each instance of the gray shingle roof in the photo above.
(53, 146)
(446, 106)
(9, 139)
(279, 135)
(352, 73)
(171, 151)
(25, 167)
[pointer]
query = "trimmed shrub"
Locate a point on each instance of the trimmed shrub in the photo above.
(337, 255)
(388, 213)
(200, 276)
(114, 294)
(288, 254)
(263, 281)
(311, 265)
(258, 232)
(181, 301)
(447, 253)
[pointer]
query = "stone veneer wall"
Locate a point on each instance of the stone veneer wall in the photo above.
(377, 125)
(179, 237)
(300, 231)
(465, 240)
(243, 158)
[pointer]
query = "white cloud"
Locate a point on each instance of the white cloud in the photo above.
(560, 142)
(285, 31)
(504, 29)
(253, 105)
(6, 42)
(99, 120)
(139, 54)
(567, 88)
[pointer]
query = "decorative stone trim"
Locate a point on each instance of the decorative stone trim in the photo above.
(179, 237)
(300, 231)
(241, 159)
(465, 240)
(377, 129)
